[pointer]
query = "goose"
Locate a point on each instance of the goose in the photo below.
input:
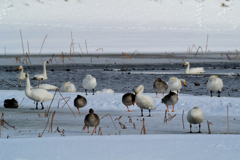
(170, 99)
(160, 86)
(89, 82)
(42, 76)
(38, 95)
(10, 103)
(91, 120)
(195, 116)
(80, 102)
(144, 101)
(215, 83)
(197, 70)
(45, 86)
(68, 87)
(174, 84)
(21, 75)
(128, 99)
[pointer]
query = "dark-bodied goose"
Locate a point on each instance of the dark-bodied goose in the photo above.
(80, 102)
(170, 100)
(128, 99)
(10, 103)
(91, 120)
(160, 86)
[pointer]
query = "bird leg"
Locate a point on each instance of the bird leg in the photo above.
(219, 93)
(88, 129)
(190, 128)
(156, 95)
(141, 112)
(128, 109)
(211, 93)
(173, 109)
(95, 129)
(167, 109)
(36, 105)
(93, 91)
(86, 91)
(163, 95)
(79, 111)
(199, 128)
(42, 105)
(149, 113)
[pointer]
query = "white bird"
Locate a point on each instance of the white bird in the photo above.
(21, 75)
(215, 83)
(42, 76)
(45, 86)
(197, 70)
(38, 95)
(89, 82)
(68, 87)
(174, 84)
(106, 91)
(195, 116)
(144, 101)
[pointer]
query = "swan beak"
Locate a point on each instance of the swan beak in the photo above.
(18, 68)
(183, 65)
(185, 84)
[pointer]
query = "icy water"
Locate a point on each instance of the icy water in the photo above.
(123, 78)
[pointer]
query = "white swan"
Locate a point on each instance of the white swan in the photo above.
(45, 86)
(89, 82)
(144, 101)
(42, 76)
(197, 70)
(195, 116)
(68, 87)
(175, 84)
(21, 75)
(215, 83)
(38, 95)
(106, 91)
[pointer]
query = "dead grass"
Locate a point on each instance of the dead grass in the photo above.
(42, 45)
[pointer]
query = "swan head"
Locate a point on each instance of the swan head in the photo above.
(197, 108)
(20, 67)
(213, 76)
(139, 89)
(27, 75)
(184, 82)
(67, 83)
(89, 76)
(172, 78)
(91, 111)
(185, 63)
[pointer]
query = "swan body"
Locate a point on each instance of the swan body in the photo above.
(91, 120)
(38, 95)
(68, 87)
(197, 70)
(144, 101)
(42, 76)
(80, 102)
(128, 99)
(175, 84)
(195, 116)
(89, 82)
(170, 99)
(215, 84)
(106, 91)
(46, 87)
(160, 86)
(21, 75)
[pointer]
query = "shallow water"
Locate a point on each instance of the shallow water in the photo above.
(111, 76)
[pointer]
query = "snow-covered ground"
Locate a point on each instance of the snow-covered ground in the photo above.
(149, 26)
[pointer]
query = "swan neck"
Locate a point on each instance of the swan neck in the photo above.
(44, 70)
(187, 69)
(28, 86)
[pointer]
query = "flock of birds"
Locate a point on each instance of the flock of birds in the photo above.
(173, 86)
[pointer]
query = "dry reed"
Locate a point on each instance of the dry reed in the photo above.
(40, 135)
(50, 127)
(111, 118)
(143, 127)
(183, 119)
(122, 125)
(208, 123)
(64, 103)
(42, 45)
(22, 41)
(40, 115)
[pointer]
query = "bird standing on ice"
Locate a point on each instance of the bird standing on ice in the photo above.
(144, 101)
(91, 120)
(197, 70)
(170, 99)
(128, 99)
(160, 86)
(21, 75)
(80, 102)
(38, 95)
(215, 83)
(175, 84)
(89, 82)
(195, 116)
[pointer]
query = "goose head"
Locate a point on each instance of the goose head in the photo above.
(91, 111)
(139, 89)
(159, 80)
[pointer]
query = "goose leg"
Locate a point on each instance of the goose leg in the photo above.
(199, 128)
(93, 91)
(128, 109)
(87, 129)
(37, 105)
(141, 112)
(149, 113)
(219, 93)
(86, 91)
(95, 129)
(190, 128)
(79, 111)
(156, 95)
(173, 109)
(163, 94)
(167, 109)
(211, 93)
(42, 105)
